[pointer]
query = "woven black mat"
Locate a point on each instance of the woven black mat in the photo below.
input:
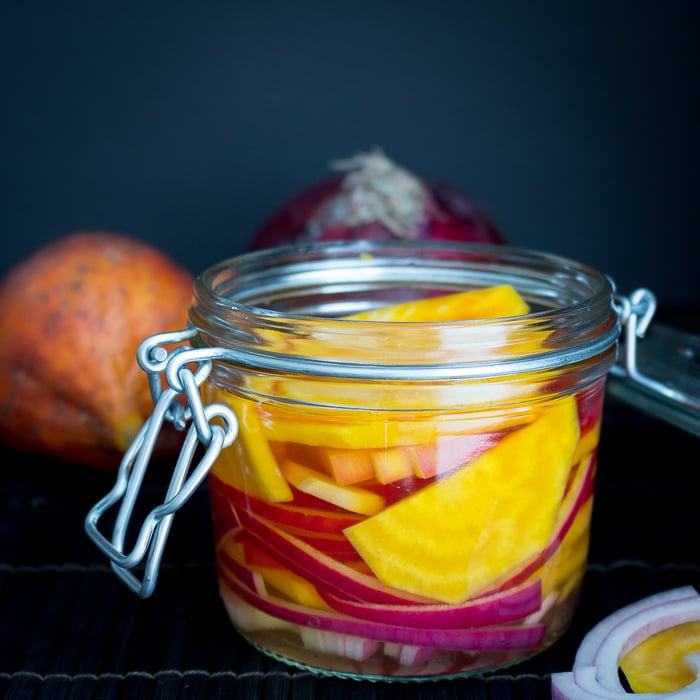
(69, 628)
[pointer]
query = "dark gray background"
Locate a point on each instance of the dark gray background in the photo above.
(573, 124)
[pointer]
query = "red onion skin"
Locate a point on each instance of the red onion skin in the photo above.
(288, 223)
(463, 220)
(319, 213)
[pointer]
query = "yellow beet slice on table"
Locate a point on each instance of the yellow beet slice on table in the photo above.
(459, 535)
(656, 665)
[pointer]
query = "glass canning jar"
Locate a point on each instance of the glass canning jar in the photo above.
(393, 496)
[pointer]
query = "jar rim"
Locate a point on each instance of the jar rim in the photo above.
(273, 288)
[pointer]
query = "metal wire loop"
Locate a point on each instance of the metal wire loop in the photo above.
(640, 304)
(215, 426)
(152, 355)
(636, 313)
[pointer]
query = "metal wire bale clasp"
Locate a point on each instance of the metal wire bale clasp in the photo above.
(671, 395)
(172, 376)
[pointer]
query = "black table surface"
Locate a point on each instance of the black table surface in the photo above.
(70, 628)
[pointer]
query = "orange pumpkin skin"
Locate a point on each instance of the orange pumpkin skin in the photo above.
(71, 318)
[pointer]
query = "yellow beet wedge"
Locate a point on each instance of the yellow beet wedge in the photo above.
(459, 535)
(488, 302)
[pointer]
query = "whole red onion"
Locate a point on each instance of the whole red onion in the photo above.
(376, 199)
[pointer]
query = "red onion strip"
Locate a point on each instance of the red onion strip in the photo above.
(252, 579)
(319, 568)
(511, 605)
(482, 639)
(333, 580)
(312, 520)
(355, 648)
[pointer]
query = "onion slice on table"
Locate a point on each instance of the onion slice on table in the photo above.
(595, 671)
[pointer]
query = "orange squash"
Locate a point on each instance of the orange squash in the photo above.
(71, 318)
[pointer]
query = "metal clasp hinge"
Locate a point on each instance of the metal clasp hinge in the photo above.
(172, 376)
(673, 396)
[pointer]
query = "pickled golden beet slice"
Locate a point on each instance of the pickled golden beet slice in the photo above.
(361, 430)
(249, 464)
(489, 302)
(657, 666)
(351, 498)
(569, 560)
(292, 586)
(459, 535)
(353, 433)
(495, 302)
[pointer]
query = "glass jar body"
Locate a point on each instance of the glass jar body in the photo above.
(406, 499)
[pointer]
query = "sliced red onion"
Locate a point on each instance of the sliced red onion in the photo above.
(595, 672)
(409, 654)
(495, 638)
(583, 684)
(252, 579)
(345, 583)
(247, 617)
(330, 581)
(314, 521)
(355, 648)
(337, 548)
(547, 604)
(507, 606)
(320, 569)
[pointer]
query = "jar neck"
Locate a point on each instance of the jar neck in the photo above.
(281, 310)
